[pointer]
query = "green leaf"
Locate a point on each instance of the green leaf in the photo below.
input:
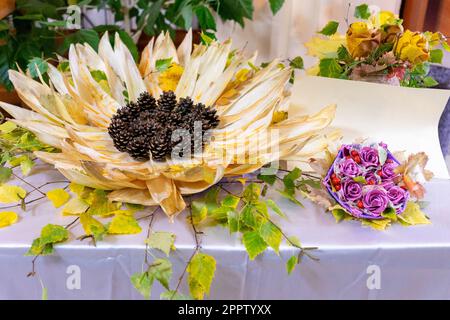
(173, 295)
(231, 201)
(234, 10)
(233, 221)
(289, 179)
(99, 203)
(362, 12)
(205, 18)
(360, 180)
(36, 66)
(330, 68)
(294, 241)
(344, 55)
(81, 36)
(339, 213)
(271, 235)
(26, 165)
(199, 211)
(291, 197)
(201, 271)
(52, 234)
(269, 178)
(330, 28)
(4, 25)
(128, 41)
(272, 205)
(5, 174)
(276, 5)
(163, 241)
(390, 214)
(297, 63)
(206, 39)
(98, 75)
(163, 64)
(430, 82)
(291, 264)
(143, 283)
(161, 270)
(252, 193)
(436, 56)
(254, 244)
(250, 217)
(38, 249)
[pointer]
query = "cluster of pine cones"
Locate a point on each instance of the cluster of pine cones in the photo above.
(144, 128)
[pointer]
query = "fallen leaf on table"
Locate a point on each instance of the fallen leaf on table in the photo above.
(11, 194)
(124, 224)
(7, 218)
(58, 197)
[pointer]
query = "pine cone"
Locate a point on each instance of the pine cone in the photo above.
(160, 147)
(146, 101)
(146, 127)
(138, 149)
(167, 101)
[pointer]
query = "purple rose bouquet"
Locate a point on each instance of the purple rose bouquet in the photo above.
(363, 180)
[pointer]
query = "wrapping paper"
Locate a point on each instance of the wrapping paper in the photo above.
(405, 118)
(413, 262)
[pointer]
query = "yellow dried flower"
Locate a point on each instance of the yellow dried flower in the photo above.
(361, 40)
(412, 47)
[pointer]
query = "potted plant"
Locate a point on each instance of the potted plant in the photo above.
(40, 28)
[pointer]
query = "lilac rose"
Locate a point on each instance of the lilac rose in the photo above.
(397, 195)
(375, 200)
(351, 190)
(349, 168)
(388, 171)
(369, 157)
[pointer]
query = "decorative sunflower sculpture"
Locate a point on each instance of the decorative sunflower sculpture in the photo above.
(122, 126)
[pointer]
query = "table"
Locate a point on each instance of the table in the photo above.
(413, 262)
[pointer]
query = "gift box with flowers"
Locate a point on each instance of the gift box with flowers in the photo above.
(377, 48)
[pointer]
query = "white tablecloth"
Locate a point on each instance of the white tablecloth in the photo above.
(413, 262)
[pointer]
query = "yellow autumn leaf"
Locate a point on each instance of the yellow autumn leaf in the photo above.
(11, 194)
(124, 224)
(7, 218)
(129, 212)
(58, 197)
(379, 225)
(413, 215)
(168, 80)
(325, 47)
(88, 222)
(75, 206)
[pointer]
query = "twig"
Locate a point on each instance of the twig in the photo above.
(33, 262)
(196, 250)
(29, 184)
(303, 251)
(149, 228)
